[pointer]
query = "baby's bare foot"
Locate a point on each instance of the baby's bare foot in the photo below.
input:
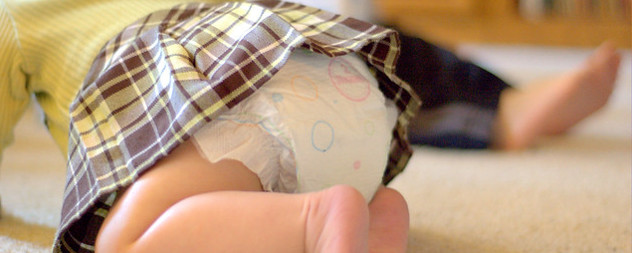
(337, 220)
(554, 106)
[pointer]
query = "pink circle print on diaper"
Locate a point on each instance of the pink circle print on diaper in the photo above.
(348, 80)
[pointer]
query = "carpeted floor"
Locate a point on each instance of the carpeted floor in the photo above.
(567, 194)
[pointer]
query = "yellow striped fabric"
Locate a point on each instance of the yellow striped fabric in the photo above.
(47, 48)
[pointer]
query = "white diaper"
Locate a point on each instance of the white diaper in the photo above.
(319, 122)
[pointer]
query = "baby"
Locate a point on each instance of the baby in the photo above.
(318, 123)
(320, 128)
(263, 127)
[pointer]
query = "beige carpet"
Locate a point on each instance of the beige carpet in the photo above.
(568, 194)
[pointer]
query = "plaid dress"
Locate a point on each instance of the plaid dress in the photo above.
(162, 78)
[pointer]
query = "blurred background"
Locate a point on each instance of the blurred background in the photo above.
(521, 41)
(576, 23)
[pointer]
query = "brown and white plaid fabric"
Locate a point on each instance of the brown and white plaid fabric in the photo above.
(168, 74)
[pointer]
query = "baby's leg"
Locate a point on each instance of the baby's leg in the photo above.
(553, 106)
(186, 204)
(388, 229)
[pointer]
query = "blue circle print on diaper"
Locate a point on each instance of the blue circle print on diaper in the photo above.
(277, 97)
(322, 136)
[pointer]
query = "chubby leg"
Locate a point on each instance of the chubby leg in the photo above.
(186, 204)
(389, 221)
(237, 221)
(553, 106)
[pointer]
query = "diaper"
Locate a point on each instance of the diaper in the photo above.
(318, 122)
